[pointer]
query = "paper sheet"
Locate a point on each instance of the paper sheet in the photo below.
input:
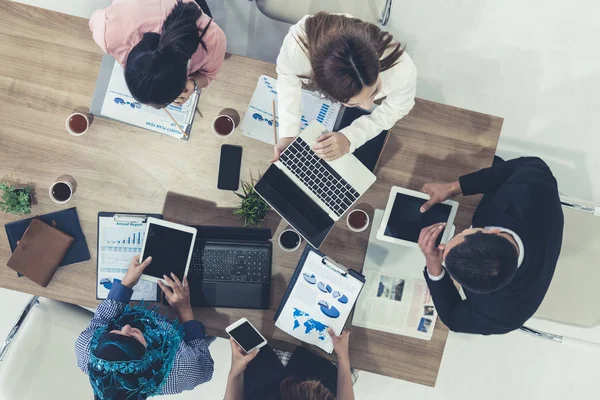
(395, 298)
(120, 105)
(118, 243)
(321, 298)
(258, 120)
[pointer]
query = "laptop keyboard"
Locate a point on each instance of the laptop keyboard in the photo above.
(227, 263)
(322, 180)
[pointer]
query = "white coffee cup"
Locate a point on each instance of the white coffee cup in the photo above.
(287, 248)
(352, 228)
(223, 135)
(59, 201)
(87, 121)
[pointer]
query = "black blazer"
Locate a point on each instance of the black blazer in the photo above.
(520, 195)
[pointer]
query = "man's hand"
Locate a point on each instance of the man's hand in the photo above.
(433, 254)
(178, 296)
(281, 145)
(239, 359)
(332, 146)
(439, 192)
(340, 343)
(187, 92)
(134, 271)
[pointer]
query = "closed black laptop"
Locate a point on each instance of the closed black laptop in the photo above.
(231, 267)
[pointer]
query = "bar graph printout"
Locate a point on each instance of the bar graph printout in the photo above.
(118, 243)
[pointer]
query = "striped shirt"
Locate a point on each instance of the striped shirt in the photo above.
(193, 364)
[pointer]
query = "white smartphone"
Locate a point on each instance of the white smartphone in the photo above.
(246, 335)
(171, 246)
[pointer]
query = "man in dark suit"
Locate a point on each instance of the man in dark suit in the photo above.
(506, 260)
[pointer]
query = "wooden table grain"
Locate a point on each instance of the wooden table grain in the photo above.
(48, 69)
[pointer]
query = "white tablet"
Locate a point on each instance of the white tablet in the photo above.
(403, 221)
(170, 245)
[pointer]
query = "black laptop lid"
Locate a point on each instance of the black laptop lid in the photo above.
(295, 206)
(232, 233)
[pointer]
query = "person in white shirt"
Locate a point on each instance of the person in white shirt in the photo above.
(348, 61)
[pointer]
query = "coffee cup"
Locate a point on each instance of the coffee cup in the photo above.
(289, 240)
(223, 126)
(61, 192)
(77, 124)
(357, 220)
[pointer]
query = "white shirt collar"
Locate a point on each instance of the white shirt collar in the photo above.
(520, 244)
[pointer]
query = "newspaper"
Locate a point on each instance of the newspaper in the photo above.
(258, 120)
(321, 298)
(395, 298)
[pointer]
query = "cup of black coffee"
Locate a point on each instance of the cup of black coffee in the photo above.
(289, 240)
(61, 192)
(357, 220)
(223, 126)
(77, 124)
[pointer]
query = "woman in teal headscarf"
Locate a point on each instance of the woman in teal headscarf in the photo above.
(132, 352)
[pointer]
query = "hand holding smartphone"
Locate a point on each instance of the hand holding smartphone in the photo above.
(246, 335)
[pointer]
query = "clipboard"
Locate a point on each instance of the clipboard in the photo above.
(120, 238)
(327, 263)
(321, 294)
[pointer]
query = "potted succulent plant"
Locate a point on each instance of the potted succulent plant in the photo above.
(15, 201)
(253, 209)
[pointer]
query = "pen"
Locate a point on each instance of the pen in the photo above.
(175, 122)
(274, 123)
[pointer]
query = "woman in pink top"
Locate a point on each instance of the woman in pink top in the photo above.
(168, 48)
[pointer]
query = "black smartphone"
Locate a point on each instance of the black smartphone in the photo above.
(229, 167)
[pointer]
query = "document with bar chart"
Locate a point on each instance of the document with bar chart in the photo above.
(258, 120)
(119, 240)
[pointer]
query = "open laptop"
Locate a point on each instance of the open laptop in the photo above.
(310, 193)
(231, 267)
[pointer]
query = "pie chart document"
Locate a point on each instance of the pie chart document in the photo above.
(321, 295)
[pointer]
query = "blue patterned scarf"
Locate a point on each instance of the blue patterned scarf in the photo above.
(141, 375)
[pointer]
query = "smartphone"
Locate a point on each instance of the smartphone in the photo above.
(229, 167)
(246, 335)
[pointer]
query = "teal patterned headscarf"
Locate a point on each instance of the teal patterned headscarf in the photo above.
(134, 377)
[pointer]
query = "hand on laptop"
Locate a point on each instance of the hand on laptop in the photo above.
(439, 192)
(332, 146)
(281, 145)
(135, 271)
(178, 296)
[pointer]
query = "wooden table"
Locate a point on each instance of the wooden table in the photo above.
(49, 67)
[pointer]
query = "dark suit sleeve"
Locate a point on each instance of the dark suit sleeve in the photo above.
(524, 170)
(456, 313)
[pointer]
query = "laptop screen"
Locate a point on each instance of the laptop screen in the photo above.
(295, 206)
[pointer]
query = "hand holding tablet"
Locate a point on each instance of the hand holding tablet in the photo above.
(403, 219)
(170, 245)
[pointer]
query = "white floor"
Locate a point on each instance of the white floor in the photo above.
(513, 366)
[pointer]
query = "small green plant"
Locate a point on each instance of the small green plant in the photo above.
(15, 201)
(253, 209)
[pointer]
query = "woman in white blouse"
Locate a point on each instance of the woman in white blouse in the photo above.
(348, 61)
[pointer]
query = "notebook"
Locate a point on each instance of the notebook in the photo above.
(67, 221)
(40, 252)
(321, 295)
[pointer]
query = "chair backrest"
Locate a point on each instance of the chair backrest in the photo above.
(573, 297)
(41, 362)
(293, 11)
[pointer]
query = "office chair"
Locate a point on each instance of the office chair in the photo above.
(37, 359)
(573, 297)
(375, 11)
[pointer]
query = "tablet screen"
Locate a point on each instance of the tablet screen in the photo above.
(406, 220)
(169, 249)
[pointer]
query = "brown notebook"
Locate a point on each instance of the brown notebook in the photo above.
(40, 252)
